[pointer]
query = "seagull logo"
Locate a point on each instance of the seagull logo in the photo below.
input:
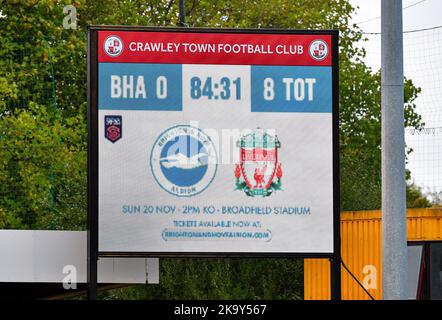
(180, 161)
(183, 160)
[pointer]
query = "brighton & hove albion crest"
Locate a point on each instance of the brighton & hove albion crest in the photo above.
(183, 161)
(113, 128)
(259, 173)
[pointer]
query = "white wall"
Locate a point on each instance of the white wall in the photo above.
(41, 256)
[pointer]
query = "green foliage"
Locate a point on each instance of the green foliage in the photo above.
(43, 125)
(415, 199)
(360, 134)
(436, 199)
(35, 147)
(221, 279)
(42, 116)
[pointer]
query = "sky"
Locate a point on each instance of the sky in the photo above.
(422, 64)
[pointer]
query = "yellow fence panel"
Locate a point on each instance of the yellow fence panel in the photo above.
(361, 236)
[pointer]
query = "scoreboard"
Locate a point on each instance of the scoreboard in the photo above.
(213, 142)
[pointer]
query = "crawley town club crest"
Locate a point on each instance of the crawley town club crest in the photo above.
(259, 173)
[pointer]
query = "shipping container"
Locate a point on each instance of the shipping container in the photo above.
(361, 235)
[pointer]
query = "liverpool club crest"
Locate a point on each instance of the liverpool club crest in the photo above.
(259, 173)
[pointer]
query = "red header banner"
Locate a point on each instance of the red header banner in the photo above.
(215, 48)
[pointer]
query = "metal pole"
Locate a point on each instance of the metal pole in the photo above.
(394, 235)
(335, 278)
(52, 200)
(182, 14)
(92, 268)
(55, 112)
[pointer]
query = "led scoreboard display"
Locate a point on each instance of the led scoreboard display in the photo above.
(213, 142)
